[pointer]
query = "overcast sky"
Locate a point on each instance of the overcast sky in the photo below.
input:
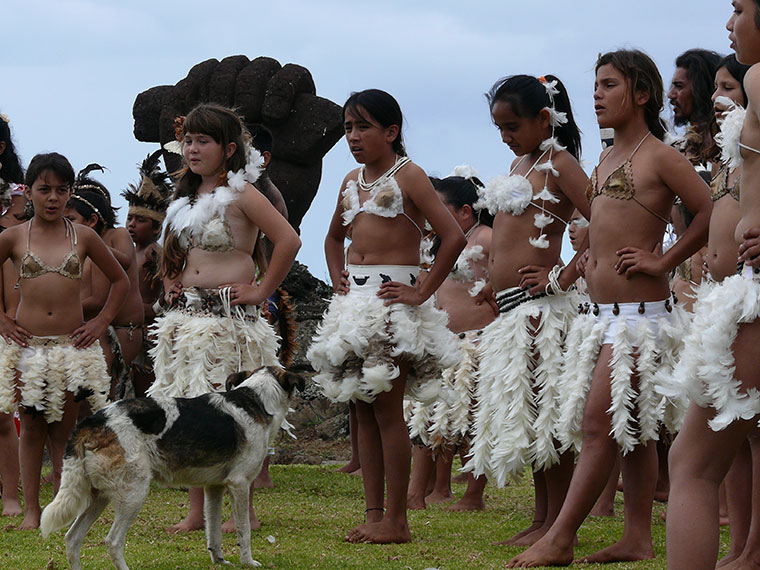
(70, 70)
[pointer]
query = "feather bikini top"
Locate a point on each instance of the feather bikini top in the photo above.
(202, 223)
(385, 197)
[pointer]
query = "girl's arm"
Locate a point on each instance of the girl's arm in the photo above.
(9, 330)
(335, 241)
(422, 194)
(286, 244)
(573, 182)
(680, 177)
(102, 257)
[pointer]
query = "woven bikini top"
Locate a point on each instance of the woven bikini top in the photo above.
(719, 186)
(619, 184)
(32, 266)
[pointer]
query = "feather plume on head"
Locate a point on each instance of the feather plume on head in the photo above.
(150, 198)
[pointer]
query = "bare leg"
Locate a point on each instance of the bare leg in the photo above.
(541, 501)
(750, 556)
(663, 479)
(442, 485)
(472, 500)
(700, 463)
(422, 468)
(353, 432)
(194, 518)
(264, 480)
(9, 469)
(640, 475)
(34, 431)
(589, 479)
(738, 485)
(387, 410)
(605, 506)
(229, 526)
(58, 435)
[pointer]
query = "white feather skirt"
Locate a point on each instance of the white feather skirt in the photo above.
(196, 350)
(49, 368)
(359, 340)
(517, 389)
(647, 345)
(705, 373)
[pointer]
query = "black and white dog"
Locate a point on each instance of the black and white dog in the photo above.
(214, 441)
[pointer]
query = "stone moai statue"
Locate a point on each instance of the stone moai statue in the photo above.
(283, 98)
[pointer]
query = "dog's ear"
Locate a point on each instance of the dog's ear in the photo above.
(288, 380)
(234, 380)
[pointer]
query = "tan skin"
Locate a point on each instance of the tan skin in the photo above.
(40, 313)
(621, 267)
(9, 468)
(465, 314)
(515, 262)
(700, 457)
(382, 434)
(250, 213)
(96, 287)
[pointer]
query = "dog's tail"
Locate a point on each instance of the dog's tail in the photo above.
(72, 499)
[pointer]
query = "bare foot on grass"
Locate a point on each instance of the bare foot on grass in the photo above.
(383, 532)
(467, 504)
(188, 524)
(436, 497)
(511, 541)
(415, 502)
(349, 467)
(31, 520)
(230, 528)
(545, 552)
(620, 552)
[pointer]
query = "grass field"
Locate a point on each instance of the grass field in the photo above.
(304, 519)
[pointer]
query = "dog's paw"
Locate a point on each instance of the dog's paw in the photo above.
(251, 562)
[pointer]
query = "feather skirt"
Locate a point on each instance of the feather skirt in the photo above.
(448, 422)
(705, 373)
(49, 368)
(517, 391)
(360, 339)
(195, 352)
(647, 345)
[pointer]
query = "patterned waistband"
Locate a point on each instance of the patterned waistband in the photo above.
(628, 309)
(370, 277)
(212, 302)
(51, 340)
(513, 297)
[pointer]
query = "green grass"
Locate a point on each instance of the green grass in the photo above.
(308, 513)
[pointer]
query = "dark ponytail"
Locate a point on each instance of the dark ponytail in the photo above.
(527, 97)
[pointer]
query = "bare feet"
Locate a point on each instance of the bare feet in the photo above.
(511, 541)
(743, 562)
(620, 552)
(528, 539)
(415, 502)
(436, 497)
(607, 510)
(468, 504)
(544, 553)
(11, 507)
(726, 561)
(31, 520)
(350, 467)
(383, 532)
(661, 496)
(229, 526)
(189, 523)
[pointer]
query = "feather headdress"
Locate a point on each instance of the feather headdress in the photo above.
(150, 198)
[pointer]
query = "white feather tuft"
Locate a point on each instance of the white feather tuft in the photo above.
(541, 242)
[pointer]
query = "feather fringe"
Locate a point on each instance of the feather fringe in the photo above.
(359, 339)
(505, 193)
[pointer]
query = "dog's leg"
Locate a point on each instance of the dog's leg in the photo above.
(75, 535)
(212, 512)
(126, 509)
(239, 495)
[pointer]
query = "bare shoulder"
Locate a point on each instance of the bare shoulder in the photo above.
(605, 152)
(752, 80)
(412, 174)
(352, 175)
(483, 236)
(563, 160)
(119, 237)
(665, 155)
